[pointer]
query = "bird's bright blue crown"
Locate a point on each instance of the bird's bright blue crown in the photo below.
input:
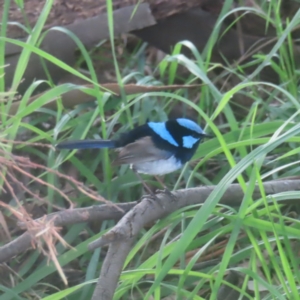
(189, 124)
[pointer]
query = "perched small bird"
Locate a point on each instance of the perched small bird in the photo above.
(155, 148)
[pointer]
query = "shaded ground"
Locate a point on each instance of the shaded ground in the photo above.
(67, 12)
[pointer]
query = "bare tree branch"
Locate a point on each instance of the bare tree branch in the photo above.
(67, 217)
(149, 211)
(111, 269)
(135, 217)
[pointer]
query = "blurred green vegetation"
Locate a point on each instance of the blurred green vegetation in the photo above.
(253, 143)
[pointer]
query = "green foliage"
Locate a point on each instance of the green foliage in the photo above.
(261, 145)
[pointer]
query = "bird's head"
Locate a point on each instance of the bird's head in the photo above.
(181, 132)
(189, 131)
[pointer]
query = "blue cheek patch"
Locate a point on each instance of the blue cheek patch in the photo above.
(189, 141)
(161, 130)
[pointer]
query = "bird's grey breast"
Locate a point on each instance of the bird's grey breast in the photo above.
(158, 167)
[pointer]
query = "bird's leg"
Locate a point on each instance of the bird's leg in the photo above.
(161, 182)
(153, 196)
(165, 190)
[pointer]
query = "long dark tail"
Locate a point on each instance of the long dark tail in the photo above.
(86, 144)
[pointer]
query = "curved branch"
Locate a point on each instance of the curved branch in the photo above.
(138, 215)
(111, 269)
(148, 211)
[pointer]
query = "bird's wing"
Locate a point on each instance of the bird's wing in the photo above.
(142, 150)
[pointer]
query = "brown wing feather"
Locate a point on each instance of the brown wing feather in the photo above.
(142, 150)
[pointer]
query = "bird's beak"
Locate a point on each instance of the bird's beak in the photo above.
(208, 135)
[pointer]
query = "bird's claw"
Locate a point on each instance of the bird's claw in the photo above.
(168, 193)
(152, 198)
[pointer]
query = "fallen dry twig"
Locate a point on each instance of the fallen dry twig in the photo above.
(62, 218)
